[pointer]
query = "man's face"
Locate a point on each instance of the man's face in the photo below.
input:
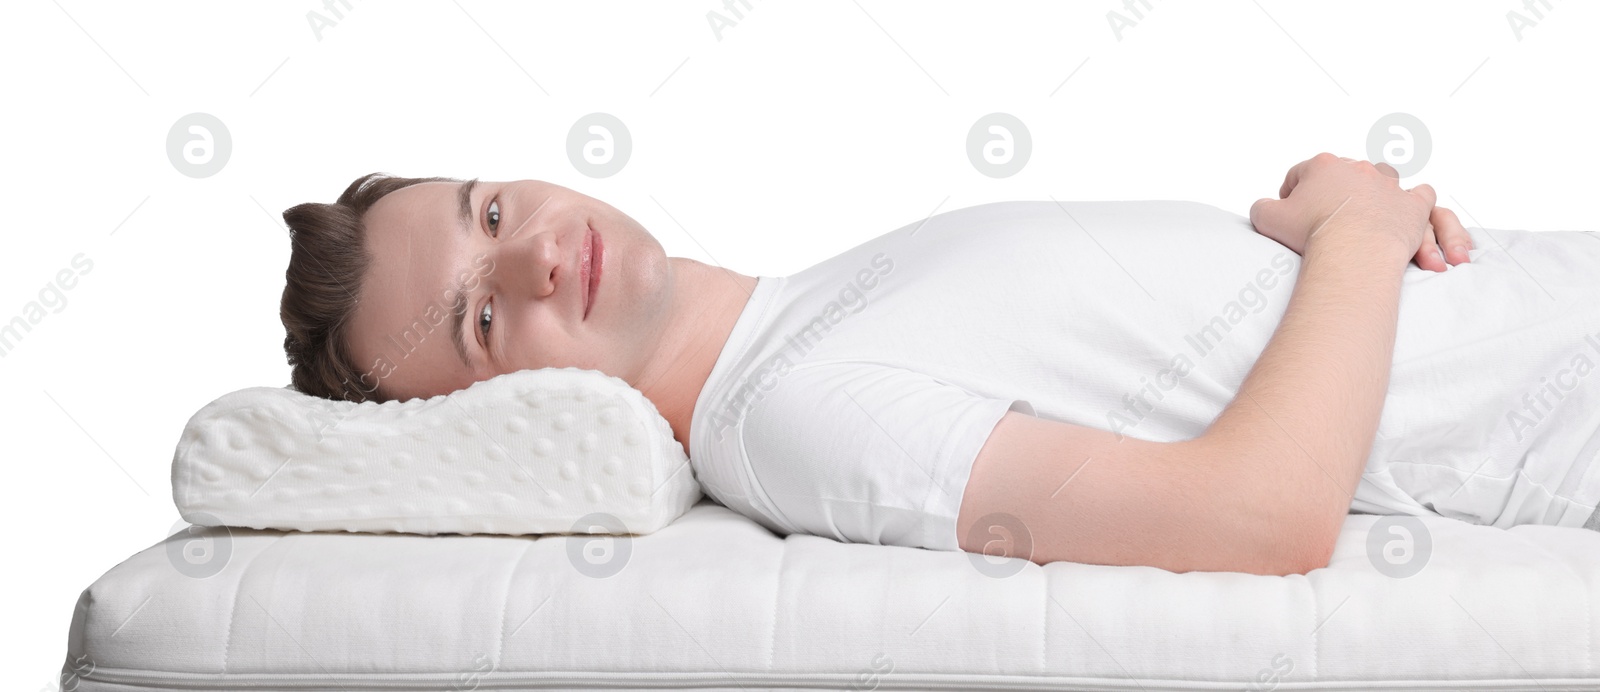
(501, 263)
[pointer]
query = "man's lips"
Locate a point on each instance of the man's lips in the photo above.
(593, 265)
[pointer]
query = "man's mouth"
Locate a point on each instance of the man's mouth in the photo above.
(593, 262)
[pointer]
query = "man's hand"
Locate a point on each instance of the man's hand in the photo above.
(1292, 221)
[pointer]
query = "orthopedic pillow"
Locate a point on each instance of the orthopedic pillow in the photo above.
(553, 450)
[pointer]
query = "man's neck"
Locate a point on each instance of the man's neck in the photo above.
(706, 302)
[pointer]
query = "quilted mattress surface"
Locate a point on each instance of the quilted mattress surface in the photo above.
(715, 601)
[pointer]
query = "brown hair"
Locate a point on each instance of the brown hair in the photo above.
(328, 261)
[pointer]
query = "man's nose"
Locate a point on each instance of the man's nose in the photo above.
(531, 264)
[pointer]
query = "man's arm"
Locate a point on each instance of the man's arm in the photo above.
(1266, 488)
(1082, 495)
(1309, 409)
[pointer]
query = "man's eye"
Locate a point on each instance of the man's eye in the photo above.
(484, 318)
(494, 218)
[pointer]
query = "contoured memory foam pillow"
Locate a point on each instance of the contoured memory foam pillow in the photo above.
(553, 450)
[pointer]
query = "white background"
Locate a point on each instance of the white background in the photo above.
(805, 130)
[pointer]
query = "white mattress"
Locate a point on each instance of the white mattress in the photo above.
(715, 601)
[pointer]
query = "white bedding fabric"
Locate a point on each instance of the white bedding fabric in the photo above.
(715, 601)
(552, 450)
(853, 396)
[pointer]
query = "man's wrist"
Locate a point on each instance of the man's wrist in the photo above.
(1359, 244)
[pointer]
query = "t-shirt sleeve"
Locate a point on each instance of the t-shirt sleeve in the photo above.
(868, 453)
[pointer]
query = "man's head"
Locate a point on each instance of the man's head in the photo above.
(381, 281)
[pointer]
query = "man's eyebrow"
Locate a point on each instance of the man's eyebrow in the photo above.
(458, 311)
(458, 307)
(464, 205)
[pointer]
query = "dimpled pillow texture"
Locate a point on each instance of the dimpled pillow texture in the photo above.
(552, 450)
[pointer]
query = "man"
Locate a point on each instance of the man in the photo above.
(1128, 383)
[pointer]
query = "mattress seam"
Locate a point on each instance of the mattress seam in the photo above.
(586, 678)
(505, 603)
(1044, 629)
(233, 610)
(1316, 640)
(777, 597)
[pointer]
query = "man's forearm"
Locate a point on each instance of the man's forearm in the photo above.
(1305, 416)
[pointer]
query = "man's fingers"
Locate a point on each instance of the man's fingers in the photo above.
(1446, 243)
(1428, 256)
(1292, 178)
(1451, 235)
(1266, 214)
(1387, 169)
(1426, 192)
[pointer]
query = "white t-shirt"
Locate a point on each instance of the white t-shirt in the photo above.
(851, 398)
